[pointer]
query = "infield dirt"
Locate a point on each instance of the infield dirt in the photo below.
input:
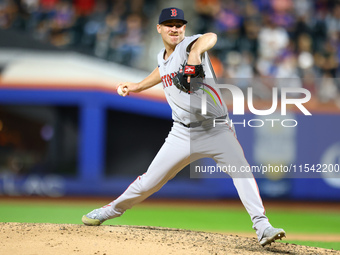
(52, 239)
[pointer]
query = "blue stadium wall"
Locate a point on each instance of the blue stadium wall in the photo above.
(315, 141)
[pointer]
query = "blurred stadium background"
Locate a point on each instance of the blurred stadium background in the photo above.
(65, 132)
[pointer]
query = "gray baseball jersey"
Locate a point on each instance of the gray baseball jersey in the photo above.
(185, 107)
(185, 145)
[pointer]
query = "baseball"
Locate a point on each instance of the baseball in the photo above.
(120, 91)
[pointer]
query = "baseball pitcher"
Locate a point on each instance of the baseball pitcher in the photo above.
(185, 70)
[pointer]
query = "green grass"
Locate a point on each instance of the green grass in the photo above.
(307, 222)
(212, 219)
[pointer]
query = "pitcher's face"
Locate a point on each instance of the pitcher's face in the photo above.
(172, 32)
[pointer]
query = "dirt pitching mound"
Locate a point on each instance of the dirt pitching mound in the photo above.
(39, 238)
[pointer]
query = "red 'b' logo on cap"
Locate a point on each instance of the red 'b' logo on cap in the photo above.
(173, 12)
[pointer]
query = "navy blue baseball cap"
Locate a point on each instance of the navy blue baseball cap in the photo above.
(170, 14)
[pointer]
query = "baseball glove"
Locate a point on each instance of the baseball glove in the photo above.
(196, 73)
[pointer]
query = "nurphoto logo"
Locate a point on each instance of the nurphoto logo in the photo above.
(239, 102)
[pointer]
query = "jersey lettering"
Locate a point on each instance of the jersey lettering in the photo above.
(167, 80)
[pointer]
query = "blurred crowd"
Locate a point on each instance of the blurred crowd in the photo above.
(296, 41)
(110, 29)
(259, 40)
